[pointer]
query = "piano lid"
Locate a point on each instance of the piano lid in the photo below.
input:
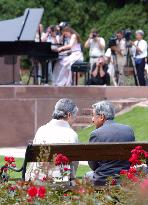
(23, 28)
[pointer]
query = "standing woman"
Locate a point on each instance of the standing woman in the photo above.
(62, 75)
(139, 50)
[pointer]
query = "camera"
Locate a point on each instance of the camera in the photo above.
(127, 34)
(112, 41)
(94, 35)
(63, 24)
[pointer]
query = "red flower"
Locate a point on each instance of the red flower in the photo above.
(30, 200)
(114, 182)
(134, 160)
(132, 177)
(6, 164)
(138, 147)
(132, 170)
(41, 191)
(32, 191)
(65, 194)
(5, 169)
(61, 159)
(12, 188)
(44, 179)
(123, 172)
(146, 154)
(9, 159)
(6, 158)
(66, 169)
(13, 165)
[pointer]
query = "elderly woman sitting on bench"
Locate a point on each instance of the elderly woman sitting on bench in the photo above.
(58, 130)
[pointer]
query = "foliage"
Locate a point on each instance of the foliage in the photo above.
(25, 62)
(43, 191)
(107, 16)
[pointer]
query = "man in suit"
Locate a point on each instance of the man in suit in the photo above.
(107, 131)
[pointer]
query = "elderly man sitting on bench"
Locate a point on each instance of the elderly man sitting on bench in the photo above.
(58, 130)
(107, 131)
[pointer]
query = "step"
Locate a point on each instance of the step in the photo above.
(84, 119)
(86, 111)
(119, 105)
(79, 126)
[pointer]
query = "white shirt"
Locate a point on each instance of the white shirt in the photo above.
(121, 45)
(142, 44)
(95, 50)
(56, 131)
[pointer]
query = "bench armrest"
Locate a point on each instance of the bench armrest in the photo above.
(11, 168)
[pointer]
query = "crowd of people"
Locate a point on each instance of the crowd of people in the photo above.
(107, 60)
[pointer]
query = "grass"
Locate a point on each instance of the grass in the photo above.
(18, 163)
(137, 118)
(82, 169)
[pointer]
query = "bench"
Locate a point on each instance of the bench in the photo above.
(80, 67)
(81, 152)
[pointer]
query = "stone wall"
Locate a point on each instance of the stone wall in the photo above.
(25, 108)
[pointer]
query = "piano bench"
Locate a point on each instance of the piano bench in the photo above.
(80, 67)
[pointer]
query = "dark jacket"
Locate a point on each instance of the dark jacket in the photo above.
(109, 132)
(98, 80)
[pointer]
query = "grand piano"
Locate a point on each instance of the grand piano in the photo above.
(17, 37)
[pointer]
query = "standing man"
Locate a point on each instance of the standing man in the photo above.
(96, 45)
(107, 131)
(139, 50)
(120, 52)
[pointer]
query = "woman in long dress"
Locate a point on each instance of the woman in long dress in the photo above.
(62, 75)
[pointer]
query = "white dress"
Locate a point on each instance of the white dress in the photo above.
(62, 75)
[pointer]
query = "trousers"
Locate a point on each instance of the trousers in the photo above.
(140, 73)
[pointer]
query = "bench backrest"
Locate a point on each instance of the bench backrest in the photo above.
(85, 152)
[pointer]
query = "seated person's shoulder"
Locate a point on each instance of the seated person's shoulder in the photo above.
(127, 130)
(39, 135)
(73, 136)
(41, 129)
(93, 136)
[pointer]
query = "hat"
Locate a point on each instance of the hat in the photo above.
(140, 32)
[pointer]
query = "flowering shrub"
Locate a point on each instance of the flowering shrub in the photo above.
(61, 160)
(138, 157)
(132, 190)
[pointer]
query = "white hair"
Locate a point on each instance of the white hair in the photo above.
(105, 108)
(63, 107)
(141, 32)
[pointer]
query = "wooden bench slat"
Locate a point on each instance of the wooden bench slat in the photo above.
(86, 152)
